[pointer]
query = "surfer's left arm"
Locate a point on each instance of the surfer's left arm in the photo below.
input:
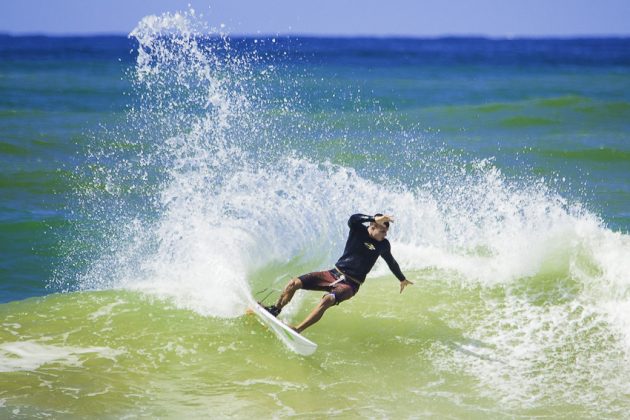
(395, 268)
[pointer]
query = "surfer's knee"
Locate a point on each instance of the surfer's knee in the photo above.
(328, 300)
(294, 284)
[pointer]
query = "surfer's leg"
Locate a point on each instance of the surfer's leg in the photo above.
(288, 292)
(326, 302)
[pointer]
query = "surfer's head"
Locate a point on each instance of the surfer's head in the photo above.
(378, 231)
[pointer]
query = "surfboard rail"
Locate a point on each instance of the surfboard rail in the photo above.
(294, 341)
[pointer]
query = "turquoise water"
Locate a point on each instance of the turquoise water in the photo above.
(151, 185)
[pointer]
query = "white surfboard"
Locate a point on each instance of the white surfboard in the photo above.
(290, 338)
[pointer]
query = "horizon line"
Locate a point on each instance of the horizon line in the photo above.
(332, 36)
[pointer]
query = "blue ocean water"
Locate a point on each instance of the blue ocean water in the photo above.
(556, 108)
(200, 169)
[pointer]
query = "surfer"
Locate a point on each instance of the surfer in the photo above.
(363, 247)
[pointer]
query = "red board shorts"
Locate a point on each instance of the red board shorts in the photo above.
(323, 280)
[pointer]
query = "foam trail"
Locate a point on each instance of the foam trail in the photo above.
(30, 355)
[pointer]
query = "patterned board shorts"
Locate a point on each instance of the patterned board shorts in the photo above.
(328, 281)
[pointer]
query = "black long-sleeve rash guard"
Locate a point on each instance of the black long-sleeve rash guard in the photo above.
(361, 251)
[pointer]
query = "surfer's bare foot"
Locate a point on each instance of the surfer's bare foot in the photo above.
(294, 329)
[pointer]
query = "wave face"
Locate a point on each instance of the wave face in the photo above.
(223, 181)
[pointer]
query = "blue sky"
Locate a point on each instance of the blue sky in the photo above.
(495, 18)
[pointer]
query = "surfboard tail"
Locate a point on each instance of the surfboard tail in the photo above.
(289, 337)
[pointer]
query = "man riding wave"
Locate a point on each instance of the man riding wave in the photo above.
(363, 247)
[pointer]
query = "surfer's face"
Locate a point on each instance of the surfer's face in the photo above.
(377, 232)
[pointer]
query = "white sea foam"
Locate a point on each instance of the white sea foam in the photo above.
(30, 355)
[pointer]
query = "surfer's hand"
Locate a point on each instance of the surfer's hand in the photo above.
(381, 220)
(404, 284)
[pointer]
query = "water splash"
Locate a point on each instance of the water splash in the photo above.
(211, 186)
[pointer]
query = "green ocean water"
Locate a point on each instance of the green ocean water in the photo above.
(151, 187)
(117, 353)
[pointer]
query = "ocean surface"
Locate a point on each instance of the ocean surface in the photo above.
(151, 186)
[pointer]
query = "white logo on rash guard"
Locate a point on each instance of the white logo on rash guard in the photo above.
(369, 246)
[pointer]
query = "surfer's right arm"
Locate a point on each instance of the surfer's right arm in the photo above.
(357, 220)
